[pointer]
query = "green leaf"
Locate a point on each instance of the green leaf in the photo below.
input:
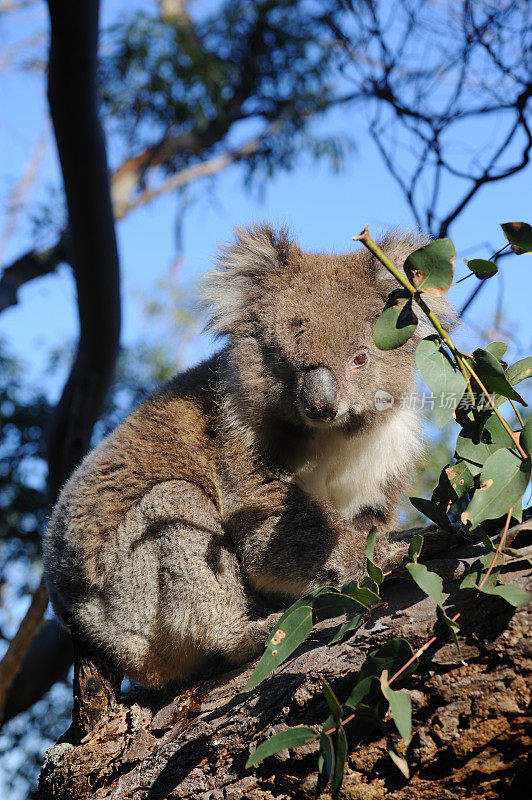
(428, 582)
(519, 234)
(475, 453)
(414, 548)
(401, 708)
(370, 542)
(331, 604)
(503, 481)
(459, 478)
(332, 701)
(363, 688)
(492, 375)
(525, 438)
(397, 322)
(516, 373)
(513, 595)
(392, 655)
(431, 268)
(295, 629)
(400, 762)
(442, 377)
(293, 737)
(452, 626)
(307, 600)
(347, 627)
(497, 349)
(326, 760)
(361, 593)
(483, 269)
(519, 371)
(341, 758)
(374, 572)
(433, 512)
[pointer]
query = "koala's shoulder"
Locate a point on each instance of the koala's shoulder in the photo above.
(171, 436)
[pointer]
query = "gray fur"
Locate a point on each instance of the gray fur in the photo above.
(180, 538)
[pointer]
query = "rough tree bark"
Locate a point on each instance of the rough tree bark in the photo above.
(472, 724)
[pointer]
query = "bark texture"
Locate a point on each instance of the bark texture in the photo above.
(471, 734)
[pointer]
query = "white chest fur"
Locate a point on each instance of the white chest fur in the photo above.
(350, 471)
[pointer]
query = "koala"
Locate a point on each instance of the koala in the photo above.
(250, 479)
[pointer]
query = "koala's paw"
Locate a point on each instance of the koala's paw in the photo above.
(260, 629)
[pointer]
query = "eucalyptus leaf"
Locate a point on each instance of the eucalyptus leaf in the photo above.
(415, 546)
(460, 478)
(519, 234)
(374, 572)
(513, 595)
(332, 701)
(371, 540)
(519, 371)
(392, 655)
(363, 688)
(525, 437)
(475, 452)
(331, 604)
(442, 377)
(503, 481)
(345, 628)
(361, 593)
(433, 511)
(400, 762)
(341, 758)
(497, 349)
(400, 706)
(326, 760)
(428, 582)
(431, 268)
(293, 737)
(295, 629)
(397, 323)
(452, 626)
(481, 268)
(492, 375)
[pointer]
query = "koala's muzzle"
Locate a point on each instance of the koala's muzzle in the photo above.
(319, 394)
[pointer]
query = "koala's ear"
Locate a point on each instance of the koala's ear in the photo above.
(398, 245)
(231, 290)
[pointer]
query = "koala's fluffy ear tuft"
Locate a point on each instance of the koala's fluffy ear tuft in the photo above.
(229, 291)
(398, 245)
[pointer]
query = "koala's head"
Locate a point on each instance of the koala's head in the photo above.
(300, 327)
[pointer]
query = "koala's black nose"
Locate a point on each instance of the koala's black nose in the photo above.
(319, 394)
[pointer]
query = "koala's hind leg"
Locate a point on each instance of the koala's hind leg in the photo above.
(177, 593)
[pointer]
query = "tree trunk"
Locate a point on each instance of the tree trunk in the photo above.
(471, 722)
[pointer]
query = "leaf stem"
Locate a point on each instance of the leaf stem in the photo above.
(498, 550)
(505, 425)
(517, 414)
(418, 653)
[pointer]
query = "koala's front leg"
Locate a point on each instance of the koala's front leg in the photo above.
(289, 544)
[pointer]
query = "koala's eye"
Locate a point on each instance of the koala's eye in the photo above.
(358, 361)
